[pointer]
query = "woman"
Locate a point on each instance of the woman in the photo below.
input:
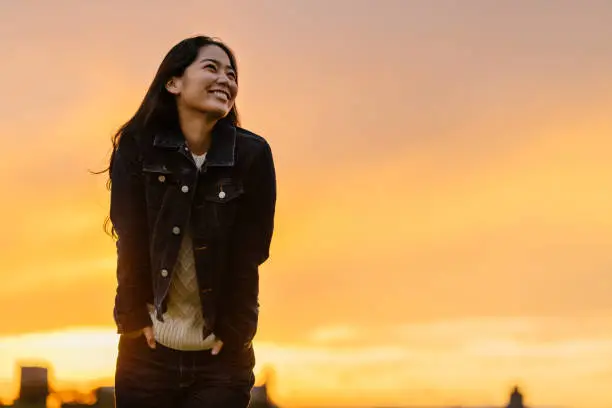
(192, 207)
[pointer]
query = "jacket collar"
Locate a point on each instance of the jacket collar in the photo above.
(222, 149)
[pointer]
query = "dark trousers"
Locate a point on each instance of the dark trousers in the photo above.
(167, 378)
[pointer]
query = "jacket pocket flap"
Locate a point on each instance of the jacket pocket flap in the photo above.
(224, 192)
(155, 169)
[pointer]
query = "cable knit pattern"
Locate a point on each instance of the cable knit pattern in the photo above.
(183, 325)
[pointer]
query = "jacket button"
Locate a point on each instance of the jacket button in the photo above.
(176, 230)
(185, 189)
(161, 178)
(164, 273)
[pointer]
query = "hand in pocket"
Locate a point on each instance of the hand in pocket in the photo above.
(147, 332)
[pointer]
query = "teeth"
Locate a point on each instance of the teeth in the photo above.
(220, 93)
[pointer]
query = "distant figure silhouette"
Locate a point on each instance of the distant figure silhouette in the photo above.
(516, 399)
(192, 202)
(260, 397)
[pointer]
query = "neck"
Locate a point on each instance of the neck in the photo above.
(197, 129)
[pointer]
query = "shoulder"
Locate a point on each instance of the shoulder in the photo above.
(133, 142)
(127, 147)
(251, 146)
(247, 139)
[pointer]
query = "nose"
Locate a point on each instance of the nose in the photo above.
(223, 79)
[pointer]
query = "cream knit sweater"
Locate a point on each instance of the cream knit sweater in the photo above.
(183, 325)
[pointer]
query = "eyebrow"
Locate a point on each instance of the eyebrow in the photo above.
(215, 61)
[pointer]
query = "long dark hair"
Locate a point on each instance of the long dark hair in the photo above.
(158, 110)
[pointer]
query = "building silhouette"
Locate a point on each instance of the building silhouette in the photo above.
(34, 390)
(516, 399)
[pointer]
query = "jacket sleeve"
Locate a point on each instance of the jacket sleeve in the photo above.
(250, 244)
(129, 219)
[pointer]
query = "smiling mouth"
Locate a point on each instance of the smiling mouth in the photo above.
(221, 94)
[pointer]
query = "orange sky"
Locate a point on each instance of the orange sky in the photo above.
(444, 224)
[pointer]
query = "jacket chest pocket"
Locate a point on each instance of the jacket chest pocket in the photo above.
(158, 180)
(219, 204)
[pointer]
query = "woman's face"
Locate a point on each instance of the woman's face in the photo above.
(209, 85)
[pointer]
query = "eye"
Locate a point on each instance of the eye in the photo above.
(231, 75)
(211, 67)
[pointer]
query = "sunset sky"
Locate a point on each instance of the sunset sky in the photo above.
(444, 222)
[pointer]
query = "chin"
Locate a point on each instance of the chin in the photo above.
(216, 110)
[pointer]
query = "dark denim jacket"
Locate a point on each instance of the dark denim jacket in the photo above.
(157, 194)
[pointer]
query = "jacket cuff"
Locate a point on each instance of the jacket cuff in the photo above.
(231, 337)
